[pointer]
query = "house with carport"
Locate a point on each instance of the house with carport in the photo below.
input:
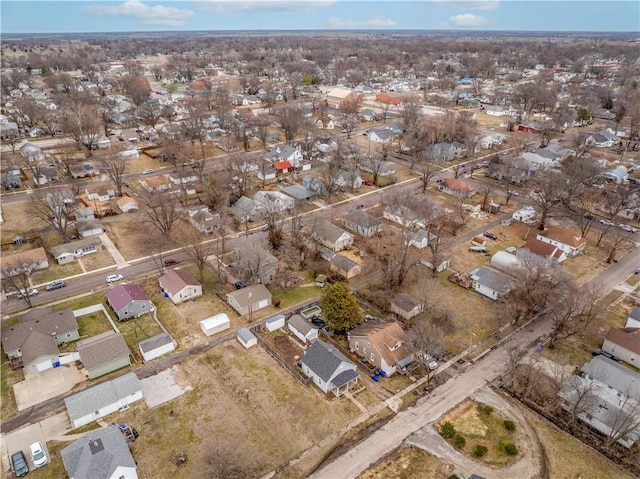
(385, 345)
(329, 369)
(129, 301)
(103, 353)
(101, 453)
(179, 285)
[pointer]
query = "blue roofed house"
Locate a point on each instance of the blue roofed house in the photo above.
(100, 454)
(330, 370)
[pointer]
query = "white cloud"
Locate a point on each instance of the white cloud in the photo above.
(373, 22)
(468, 4)
(467, 20)
(144, 14)
(232, 6)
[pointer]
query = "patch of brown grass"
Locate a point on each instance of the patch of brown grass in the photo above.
(407, 463)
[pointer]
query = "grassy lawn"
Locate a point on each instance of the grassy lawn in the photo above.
(482, 428)
(97, 260)
(55, 271)
(18, 220)
(138, 329)
(86, 428)
(8, 378)
(407, 463)
(296, 295)
(83, 302)
(93, 324)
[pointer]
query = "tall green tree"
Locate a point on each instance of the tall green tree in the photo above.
(339, 307)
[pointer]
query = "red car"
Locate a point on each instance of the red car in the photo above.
(367, 183)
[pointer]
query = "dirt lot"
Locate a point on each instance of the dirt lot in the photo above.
(408, 463)
(240, 397)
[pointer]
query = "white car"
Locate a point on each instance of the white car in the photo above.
(112, 278)
(38, 456)
(607, 222)
(27, 292)
(628, 228)
(147, 171)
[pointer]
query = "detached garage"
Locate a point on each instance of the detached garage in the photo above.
(247, 338)
(156, 346)
(215, 324)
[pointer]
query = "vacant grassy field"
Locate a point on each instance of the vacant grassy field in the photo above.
(98, 260)
(18, 220)
(240, 398)
(407, 463)
(130, 234)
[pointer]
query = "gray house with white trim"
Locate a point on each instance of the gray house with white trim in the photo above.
(129, 301)
(330, 370)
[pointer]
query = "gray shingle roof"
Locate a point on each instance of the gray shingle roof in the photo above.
(493, 279)
(344, 377)
(614, 375)
(97, 397)
(328, 231)
(323, 359)
(362, 218)
(301, 324)
(44, 321)
(98, 454)
(102, 348)
(154, 342)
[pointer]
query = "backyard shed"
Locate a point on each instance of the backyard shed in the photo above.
(215, 324)
(274, 323)
(302, 329)
(246, 338)
(156, 346)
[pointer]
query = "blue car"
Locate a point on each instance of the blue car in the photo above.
(19, 464)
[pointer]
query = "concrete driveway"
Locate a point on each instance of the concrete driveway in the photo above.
(39, 387)
(20, 440)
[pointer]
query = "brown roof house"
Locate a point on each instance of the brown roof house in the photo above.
(34, 260)
(103, 353)
(545, 253)
(384, 345)
(457, 187)
(565, 239)
(406, 306)
(344, 266)
(363, 223)
(179, 285)
(127, 204)
(624, 343)
(35, 339)
(129, 301)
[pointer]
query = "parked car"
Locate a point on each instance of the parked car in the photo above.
(478, 249)
(147, 171)
(27, 292)
(239, 285)
(170, 262)
(628, 228)
(607, 222)
(38, 456)
(490, 235)
(367, 183)
(57, 284)
(112, 278)
(19, 464)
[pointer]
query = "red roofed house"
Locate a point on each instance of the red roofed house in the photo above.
(384, 345)
(624, 343)
(129, 301)
(388, 99)
(547, 252)
(456, 187)
(282, 166)
(179, 285)
(568, 241)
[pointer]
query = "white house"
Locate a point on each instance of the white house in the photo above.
(566, 240)
(329, 369)
(179, 285)
(491, 283)
(525, 215)
(302, 329)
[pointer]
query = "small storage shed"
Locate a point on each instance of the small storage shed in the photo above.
(274, 323)
(156, 346)
(246, 338)
(302, 329)
(215, 324)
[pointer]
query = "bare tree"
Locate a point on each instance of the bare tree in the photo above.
(198, 250)
(411, 112)
(426, 166)
(274, 221)
(291, 119)
(54, 207)
(428, 345)
(241, 166)
(549, 191)
(17, 275)
(250, 259)
(116, 167)
(162, 211)
(83, 122)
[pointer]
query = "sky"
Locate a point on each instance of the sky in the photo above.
(75, 16)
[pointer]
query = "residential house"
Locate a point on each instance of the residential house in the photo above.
(70, 252)
(299, 193)
(250, 299)
(420, 238)
(16, 263)
(406, 306)
(446, 151)
(403, 216)
(384, 345)
(243, 209)
(344, 266)
(491, 283)
(156, 184)
(618, 175)
(348, 180)
(86, 170)
(34, 340)
(9, 130)
(127, 204)
(368, 115)
(457, 187)
(330, 370)
(325, 123)
(204, 221)
(623, 343)
(84, 214)
(315, 184)
(525, 215)
(46, 174)
(603, 139)
(90, 228)
(609, 397)
(384, 169)
(331, 236)
(129, 301)
(31, 152)
(326, 144)
(284, 152)
(302, 329)
(183, 178)
(338, 96)
(103, 353)
(565, 239)
(362, 222)
(542, 252)
(100, 192)
(273, 201)
(102, 143)
(381, 135)
(100, 454)
(178, 285)
(103, 399)
(11, 179)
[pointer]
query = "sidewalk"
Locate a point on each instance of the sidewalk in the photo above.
(113, 251)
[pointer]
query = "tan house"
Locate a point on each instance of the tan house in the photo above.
(34, 259)
(127, 204)
(457, 187)
(565, 239)
(406, 306)
(385, 345)
(156, 184)
(179, 285)
(345, 266)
